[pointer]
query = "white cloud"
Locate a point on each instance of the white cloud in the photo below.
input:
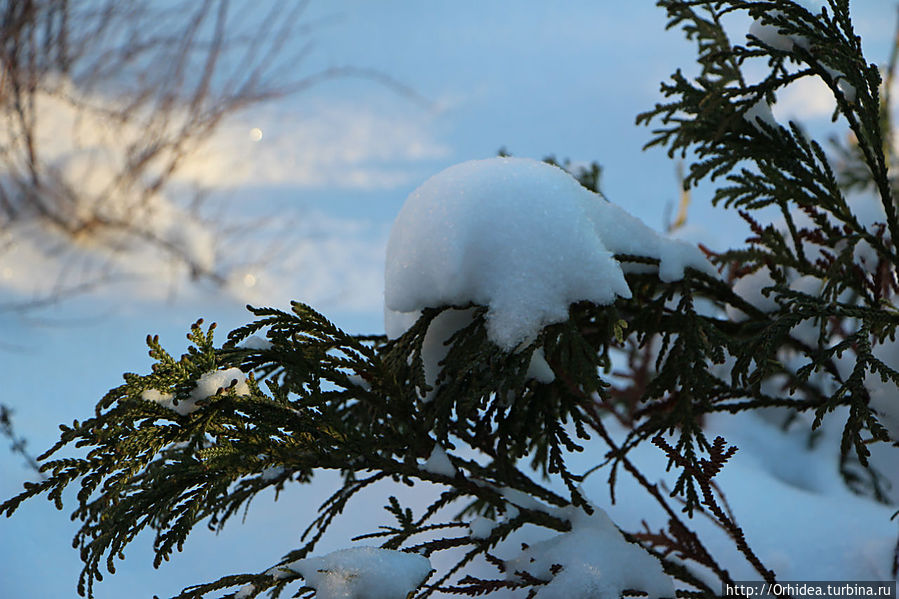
(343, 145)
(323, 260)
(336, 145)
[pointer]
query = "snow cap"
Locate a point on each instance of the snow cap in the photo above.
(521, 237)
(597, 562)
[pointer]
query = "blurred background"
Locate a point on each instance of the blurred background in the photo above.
(162, 161)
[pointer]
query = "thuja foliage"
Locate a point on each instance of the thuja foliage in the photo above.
(770, 165)
(319, 398)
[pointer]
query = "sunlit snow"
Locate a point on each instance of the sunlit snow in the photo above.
(521, 237)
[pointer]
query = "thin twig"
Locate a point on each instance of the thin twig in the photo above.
(18, 443)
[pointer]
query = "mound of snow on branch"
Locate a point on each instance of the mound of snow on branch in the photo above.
(765, 31)
(521, 237)
(596, 562)
(363, 573)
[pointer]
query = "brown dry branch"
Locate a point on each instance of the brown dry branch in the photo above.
(158, 80)
(103, 101)
(709, 468)
(685, 536)
(18, 443)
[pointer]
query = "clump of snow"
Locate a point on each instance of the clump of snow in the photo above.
(363, 573)
(359, 381)
(773, 36)
(439, 463)
(434, 348)
(760, 112)
(210, 382)
(512, 512)
(806, 96)
(166, 400)
(481, 527)
(865, 256)
(245, 591)
(868, 210)
(539, 369)
(272, 472)
(256, 342)
(803, 99)
(849, 91)
(596, 562)
(207, 385)
(521, 237)
(280, 572)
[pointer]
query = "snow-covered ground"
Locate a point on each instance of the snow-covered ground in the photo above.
(332, 168)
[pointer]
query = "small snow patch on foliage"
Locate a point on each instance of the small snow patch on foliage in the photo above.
(272, 472)
(439, 463)
(210, 382)
(256, 342)
(596, 562)
(773, 36)
(759, 113)
(363, 573)
(166, 400)
(245, 592)
(750, 288)
(279, 572)
(481, 527)
(207, 385)
(539, 369)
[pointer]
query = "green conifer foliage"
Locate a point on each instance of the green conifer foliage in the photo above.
(770, 165)
(318, 398)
